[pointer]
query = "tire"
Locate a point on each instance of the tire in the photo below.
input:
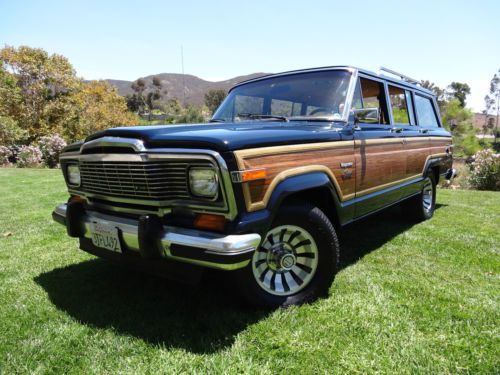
(422, 206)
(296, 262)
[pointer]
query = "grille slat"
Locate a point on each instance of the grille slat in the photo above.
(145, 180)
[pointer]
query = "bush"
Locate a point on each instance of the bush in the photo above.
(10, 132)
(29, 157)
(51, 147)
(485, 171)
(5, 155)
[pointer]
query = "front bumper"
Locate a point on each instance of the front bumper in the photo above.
(152, 240)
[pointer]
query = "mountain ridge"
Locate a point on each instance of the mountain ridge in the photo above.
(188, 89)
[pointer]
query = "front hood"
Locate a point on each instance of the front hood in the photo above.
(227, 137)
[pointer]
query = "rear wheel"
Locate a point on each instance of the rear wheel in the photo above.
(422, 206)
(296, 261)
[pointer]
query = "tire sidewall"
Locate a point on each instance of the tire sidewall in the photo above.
(427, 214)
(315, 222)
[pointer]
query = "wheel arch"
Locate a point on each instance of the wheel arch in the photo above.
(315, 188)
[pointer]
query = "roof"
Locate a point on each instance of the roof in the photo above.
(342, 67)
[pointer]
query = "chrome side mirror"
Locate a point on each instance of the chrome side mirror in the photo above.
(366, 116)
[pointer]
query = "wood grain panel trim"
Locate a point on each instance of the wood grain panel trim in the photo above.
(402, 181)
(277, 150)
(256, 201)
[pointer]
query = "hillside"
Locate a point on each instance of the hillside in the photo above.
(174, 84)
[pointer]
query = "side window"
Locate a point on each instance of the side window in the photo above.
(425, 112)
(373, 96)
(399, 106)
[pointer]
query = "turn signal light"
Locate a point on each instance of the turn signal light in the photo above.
(76, 198)
(210, 222)
(249, 175)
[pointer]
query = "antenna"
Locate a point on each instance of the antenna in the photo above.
(402, 76)
(183, 77)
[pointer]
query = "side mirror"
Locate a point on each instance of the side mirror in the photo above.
(366, 115)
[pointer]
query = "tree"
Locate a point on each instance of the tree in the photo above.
(97, 106)
(41, 83)
(495, 96)
(458, 91)
(459, 120)
(213, 98)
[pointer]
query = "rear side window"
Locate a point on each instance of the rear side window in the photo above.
(425, 112)
(399, 105)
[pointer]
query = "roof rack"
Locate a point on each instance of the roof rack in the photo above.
(402, 76)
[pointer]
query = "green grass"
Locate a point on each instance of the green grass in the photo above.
(408, 299)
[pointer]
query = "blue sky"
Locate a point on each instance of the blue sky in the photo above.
(442, 41)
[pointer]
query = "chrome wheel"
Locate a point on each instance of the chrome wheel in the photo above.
(286, 261)
(428, 195)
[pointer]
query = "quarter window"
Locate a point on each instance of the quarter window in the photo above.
(399, 105)
(425, 112)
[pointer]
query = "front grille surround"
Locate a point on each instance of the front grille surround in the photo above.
(127, 194)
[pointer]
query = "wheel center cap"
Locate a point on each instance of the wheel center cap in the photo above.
(287, 261)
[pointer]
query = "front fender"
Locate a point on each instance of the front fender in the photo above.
(261, 220)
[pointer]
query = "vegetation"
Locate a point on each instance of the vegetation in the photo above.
(485, 171)
(40, 95)
(408, 299)
(459, 119)
(213, 98)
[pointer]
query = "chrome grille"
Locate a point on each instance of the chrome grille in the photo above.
(146, 180)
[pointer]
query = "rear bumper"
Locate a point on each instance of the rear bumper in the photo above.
(152, 240)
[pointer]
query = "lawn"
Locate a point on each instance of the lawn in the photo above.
(409, 298)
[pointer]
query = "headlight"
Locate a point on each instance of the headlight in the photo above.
(73, 173)
(203, 182)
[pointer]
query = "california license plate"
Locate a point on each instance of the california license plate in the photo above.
(105, 236)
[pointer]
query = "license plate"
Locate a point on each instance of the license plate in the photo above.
(105, 236)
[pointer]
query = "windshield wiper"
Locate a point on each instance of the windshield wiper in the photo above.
(217, 120)
(313, 118)
(259, 116)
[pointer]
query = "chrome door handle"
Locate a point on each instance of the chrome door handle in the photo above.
(424, 130)
(396, 130)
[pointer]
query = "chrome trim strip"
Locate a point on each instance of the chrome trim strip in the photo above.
(136, 144)
(212, 243)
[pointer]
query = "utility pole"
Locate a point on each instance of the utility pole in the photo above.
(183, 78)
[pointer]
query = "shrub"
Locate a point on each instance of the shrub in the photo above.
(485, 171)
(51, 147)
(10, 132)
(29, 157)
(5, 155)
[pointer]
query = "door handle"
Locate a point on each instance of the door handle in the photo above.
(396, 130)
(424, 130)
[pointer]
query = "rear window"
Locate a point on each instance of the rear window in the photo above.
(425, 112)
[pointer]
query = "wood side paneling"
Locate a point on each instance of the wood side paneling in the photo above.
(380, 162)
(376, 164)
(285, 161)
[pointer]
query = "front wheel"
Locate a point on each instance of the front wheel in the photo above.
(296, 261)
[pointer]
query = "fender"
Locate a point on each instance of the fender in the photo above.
(442, 161)
(261, 220)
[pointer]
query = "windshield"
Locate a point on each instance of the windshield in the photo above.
(317, 95)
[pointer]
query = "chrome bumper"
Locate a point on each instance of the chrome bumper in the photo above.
(208, 249)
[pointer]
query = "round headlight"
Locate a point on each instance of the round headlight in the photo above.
(73, 173)
(203, 182)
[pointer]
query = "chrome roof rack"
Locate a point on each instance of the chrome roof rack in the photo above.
(402, 76)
